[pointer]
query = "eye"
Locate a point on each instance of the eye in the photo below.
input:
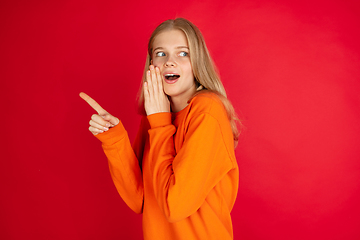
(183, 54)
(160, 54)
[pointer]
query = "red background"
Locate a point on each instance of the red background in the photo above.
(291, 71)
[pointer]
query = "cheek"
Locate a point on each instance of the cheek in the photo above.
(187, 68)
(157, 62)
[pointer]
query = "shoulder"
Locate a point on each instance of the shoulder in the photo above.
(207, 108)
(207, 103)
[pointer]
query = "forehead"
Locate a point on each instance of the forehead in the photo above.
(170, 39)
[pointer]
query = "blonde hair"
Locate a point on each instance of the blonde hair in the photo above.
(204, 70)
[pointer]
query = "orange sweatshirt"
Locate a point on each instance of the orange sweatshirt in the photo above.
(181, 171)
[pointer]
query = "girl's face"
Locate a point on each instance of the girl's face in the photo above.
(171, 55)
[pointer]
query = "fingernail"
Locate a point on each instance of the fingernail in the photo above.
(148, 72)
(108, 124)
(101, 131)
(151, 67)
(105, 128)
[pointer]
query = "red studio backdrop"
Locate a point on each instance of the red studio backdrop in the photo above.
(291, 69)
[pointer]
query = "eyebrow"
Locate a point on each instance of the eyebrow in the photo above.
(179, 47)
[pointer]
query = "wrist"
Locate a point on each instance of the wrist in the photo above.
(160, 119)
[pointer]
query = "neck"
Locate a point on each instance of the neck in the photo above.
(178, 103)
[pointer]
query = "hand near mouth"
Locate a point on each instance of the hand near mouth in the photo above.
(156, 100)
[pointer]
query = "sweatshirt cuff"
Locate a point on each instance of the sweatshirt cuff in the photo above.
(113, 135)
(159, 119)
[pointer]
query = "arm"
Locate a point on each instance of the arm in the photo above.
(182, 181)
(124, 165)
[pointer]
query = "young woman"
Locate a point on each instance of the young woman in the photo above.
(181, 171)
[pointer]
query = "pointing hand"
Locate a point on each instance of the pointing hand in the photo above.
(102, 121)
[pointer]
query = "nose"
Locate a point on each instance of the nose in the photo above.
(170, 62)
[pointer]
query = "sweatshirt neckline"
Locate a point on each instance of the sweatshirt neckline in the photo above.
(181, 112)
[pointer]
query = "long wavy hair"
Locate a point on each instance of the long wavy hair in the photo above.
(204, 70)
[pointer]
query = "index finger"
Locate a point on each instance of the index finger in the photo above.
(93, 104)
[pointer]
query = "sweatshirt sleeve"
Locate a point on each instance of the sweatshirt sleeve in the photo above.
(124, 166)
(183, 180)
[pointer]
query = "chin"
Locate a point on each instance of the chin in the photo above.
(169, 92)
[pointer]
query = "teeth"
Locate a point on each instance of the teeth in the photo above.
(169, 75)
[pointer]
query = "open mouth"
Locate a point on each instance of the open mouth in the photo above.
(171, 77)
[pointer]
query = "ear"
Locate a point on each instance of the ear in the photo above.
(151, 63)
